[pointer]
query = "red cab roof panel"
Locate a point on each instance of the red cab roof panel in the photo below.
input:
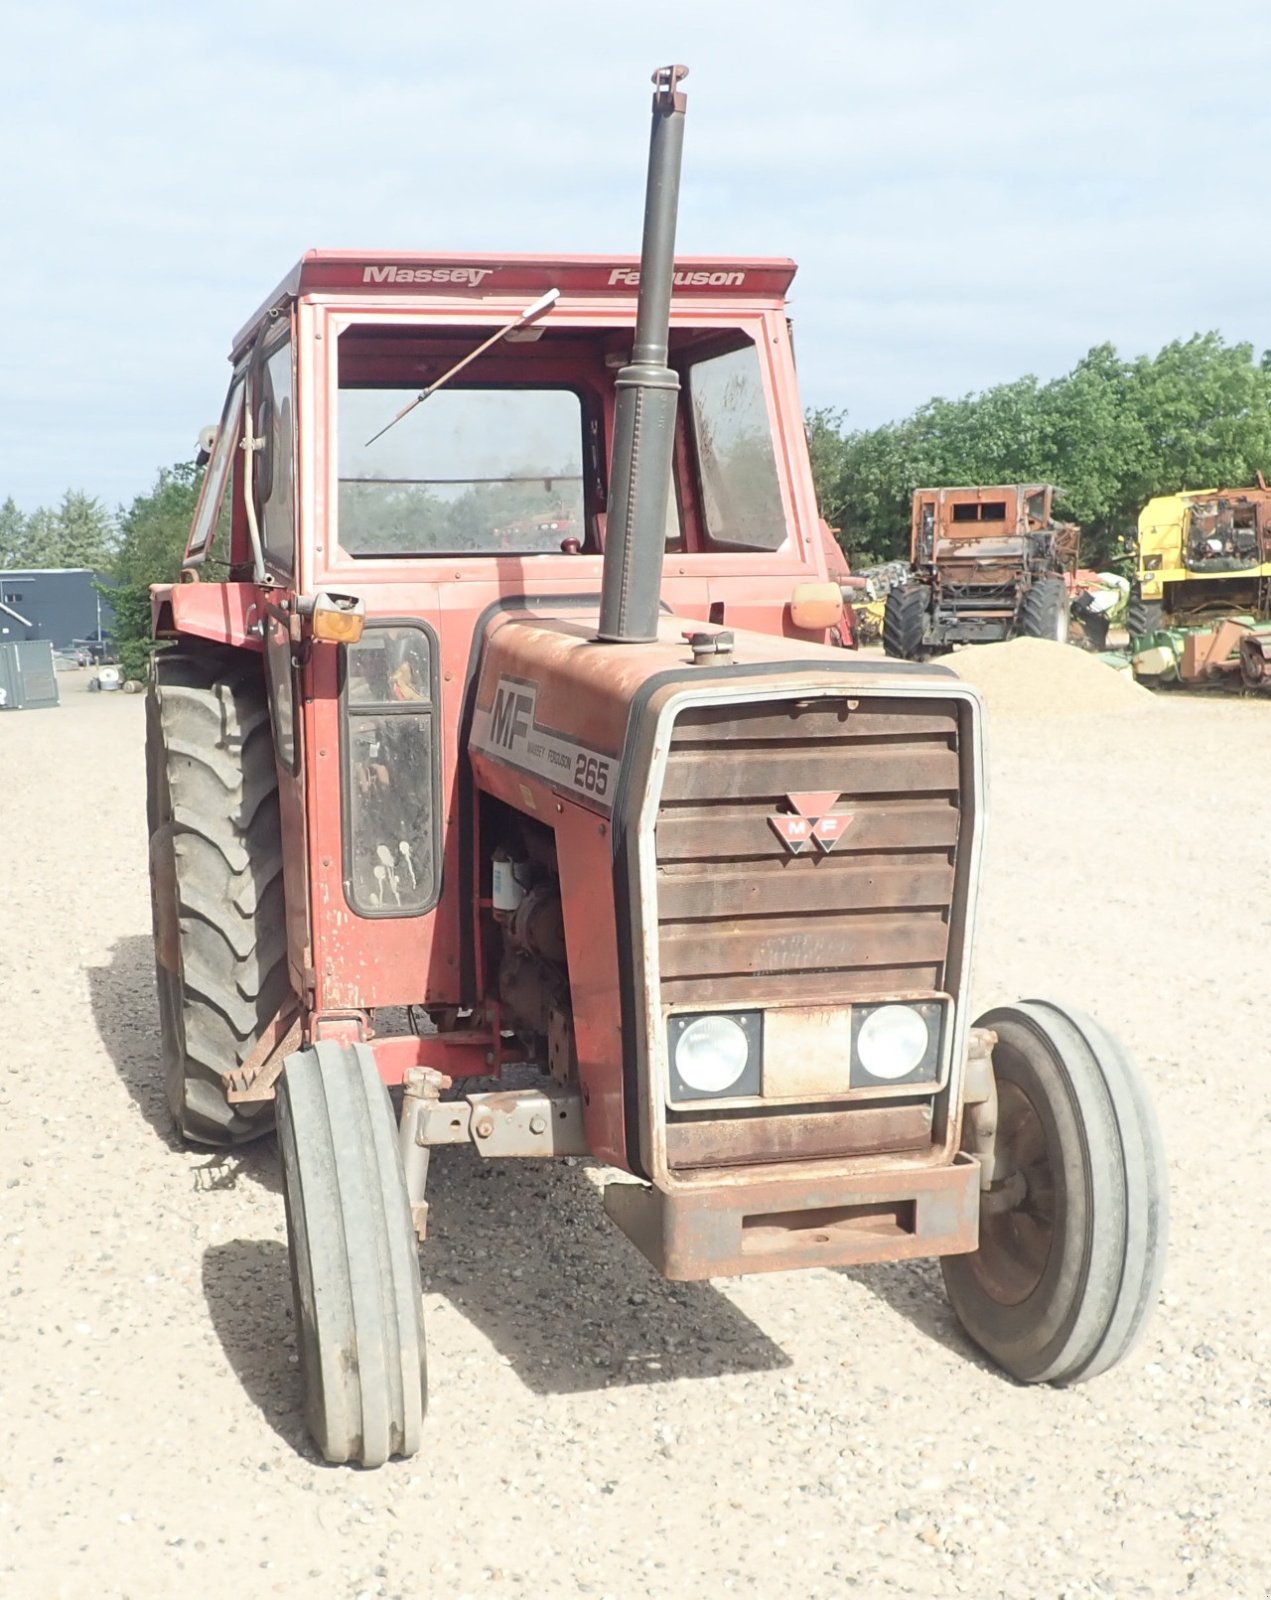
(474, 274)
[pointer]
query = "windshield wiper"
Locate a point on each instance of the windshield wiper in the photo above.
(531, 314)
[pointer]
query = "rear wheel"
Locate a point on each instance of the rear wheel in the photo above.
(1143, 616)
(354, 1257)
(216, 881)
(904, 620)
(1073, 1233)
(1044, 613)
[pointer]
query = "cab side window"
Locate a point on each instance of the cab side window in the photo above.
(274, 418)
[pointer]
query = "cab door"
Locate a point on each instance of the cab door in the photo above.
(271, 410)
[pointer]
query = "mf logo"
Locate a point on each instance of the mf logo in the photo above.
(513, 714)
(809, 822)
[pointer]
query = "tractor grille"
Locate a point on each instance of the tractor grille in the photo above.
(742, 921)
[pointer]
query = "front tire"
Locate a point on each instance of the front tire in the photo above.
(1044, 613)
(1143, 616)
(904, 621)
(354, 1257)
(216, 881)
(1073, 1235)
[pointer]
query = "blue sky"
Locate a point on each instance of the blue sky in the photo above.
(972, 190)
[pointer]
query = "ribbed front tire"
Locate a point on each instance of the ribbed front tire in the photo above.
(216, 881)
(354, 1257)
(1073, 1234)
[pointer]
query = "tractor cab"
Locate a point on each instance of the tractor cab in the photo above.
(500, 482)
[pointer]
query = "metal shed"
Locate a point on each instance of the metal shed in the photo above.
(27, 678)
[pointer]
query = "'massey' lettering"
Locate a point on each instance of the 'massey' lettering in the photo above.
(468, 277)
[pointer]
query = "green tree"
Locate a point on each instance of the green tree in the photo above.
(152, 538)
(13, 536)
(43, 539)
(1111, 434)
(85, 532)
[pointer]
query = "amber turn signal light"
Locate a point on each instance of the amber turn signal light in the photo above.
(338, 619)
(816, 605)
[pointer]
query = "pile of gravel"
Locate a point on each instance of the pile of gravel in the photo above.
(1023, 677)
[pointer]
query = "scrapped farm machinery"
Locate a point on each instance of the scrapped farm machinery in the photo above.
(506, 682)
(987, 564)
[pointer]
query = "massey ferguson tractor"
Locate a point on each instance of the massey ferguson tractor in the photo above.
(988, 564)
(505, 691)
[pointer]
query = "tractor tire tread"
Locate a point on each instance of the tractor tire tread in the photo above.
(904, 618)
(1109, 1269)
(354, 1257)
(1044, 612)
(213, 808)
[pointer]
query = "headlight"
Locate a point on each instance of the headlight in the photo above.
(713, 1056)
(892, 1043)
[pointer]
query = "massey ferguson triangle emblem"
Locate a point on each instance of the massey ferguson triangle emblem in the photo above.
(810, 821)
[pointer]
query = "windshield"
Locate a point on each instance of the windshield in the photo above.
(469, 470)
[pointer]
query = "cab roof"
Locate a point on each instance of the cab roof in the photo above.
(475, 277)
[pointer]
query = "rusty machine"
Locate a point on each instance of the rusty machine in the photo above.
(505, 691)
(1200, 556)
(988, 564)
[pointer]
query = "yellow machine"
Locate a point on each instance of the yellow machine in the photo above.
(1202, 554)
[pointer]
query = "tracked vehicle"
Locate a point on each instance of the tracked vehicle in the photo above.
(506, 687)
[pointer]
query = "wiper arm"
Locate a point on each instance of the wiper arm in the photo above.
(531, 314)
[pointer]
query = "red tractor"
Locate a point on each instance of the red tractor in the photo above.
(505, 691)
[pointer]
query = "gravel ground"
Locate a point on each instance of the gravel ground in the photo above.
(594, 1431)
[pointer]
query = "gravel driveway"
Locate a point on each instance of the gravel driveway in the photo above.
(594, 1431)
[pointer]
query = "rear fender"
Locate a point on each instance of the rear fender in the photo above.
(226, 613)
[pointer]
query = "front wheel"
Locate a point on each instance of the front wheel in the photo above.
(1044, 613)
(354, 1257)
(905, 621)
(1143, 616)
(1073, 1233)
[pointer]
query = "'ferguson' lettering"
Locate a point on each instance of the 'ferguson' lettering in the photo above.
(629, 278)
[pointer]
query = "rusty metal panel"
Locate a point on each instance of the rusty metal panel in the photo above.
(807, 1051)
(844, 767)
(528, 1122)
(797, 1136)
(707, 889)
(834, 1221)
(807, 943)
(710, 834)
(739, 898)
(849, 718)
(751, 989)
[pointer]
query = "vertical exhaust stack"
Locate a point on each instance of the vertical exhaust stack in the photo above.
(644, 417)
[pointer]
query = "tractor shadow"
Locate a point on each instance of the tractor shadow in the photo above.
(247, 1287)
(915, 1292)
(126, 1011)
(524, 1252)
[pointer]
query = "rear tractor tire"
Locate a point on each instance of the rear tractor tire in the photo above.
(1044, 613)
(354, 1257)
(1073, 1234)
(904, 622)
(216, 881)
